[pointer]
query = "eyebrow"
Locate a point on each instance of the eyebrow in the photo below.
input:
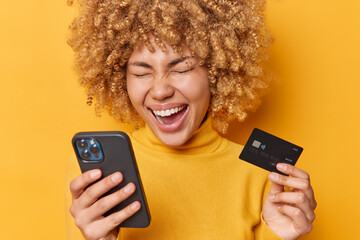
(169, 65)
(177, 61)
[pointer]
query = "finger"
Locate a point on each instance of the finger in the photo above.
(302, 225)
(106, 203)
(79, 184)
(275, 188)
(294, 182)
(94, 192)
(299, 173)
(292, 171)
(298, 199)
(112, 221)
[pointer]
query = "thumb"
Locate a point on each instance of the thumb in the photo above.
(276, 188)
(270, 208)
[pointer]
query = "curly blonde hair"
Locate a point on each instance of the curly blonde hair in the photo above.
(227, 36)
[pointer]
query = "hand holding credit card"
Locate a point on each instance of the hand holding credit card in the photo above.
(265, 150)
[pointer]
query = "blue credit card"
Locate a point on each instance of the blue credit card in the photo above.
(265, 150)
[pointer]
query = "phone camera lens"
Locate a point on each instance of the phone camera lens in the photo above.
(81, 144)
(94, 149)
(85, 155)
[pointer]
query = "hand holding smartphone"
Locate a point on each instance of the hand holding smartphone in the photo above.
(112, 152)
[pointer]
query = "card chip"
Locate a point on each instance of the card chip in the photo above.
(256, 144)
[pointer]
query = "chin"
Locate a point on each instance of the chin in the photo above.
(172, 139)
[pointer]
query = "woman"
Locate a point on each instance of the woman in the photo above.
(182, 67)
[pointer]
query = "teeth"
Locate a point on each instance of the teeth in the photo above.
(167, 112)
(159, 119)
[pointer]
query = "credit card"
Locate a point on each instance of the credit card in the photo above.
(265, 150)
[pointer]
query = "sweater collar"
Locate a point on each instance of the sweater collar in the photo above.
(203, 140)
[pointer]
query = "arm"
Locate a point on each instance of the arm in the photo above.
(262, 230)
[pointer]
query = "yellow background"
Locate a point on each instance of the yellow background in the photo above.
(313, 102)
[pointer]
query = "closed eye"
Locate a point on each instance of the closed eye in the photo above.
(141, 75)
(185, 71)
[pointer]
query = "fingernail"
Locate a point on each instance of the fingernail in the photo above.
(273, 176)
(94, 174)
(116, 177)
(128, 188)
(135, 206)
(282, 167)
(271, 197)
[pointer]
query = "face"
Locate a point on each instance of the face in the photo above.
(169, 91)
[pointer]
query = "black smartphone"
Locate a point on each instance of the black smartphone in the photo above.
(111, 152)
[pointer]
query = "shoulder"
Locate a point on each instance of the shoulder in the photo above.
(230, 145)
(232, 151)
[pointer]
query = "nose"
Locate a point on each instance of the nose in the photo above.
(161, 88)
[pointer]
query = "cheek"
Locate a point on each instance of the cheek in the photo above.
(199, 95)
(199, 91)
(135, 92)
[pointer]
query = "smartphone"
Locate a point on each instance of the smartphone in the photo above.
(111, 152)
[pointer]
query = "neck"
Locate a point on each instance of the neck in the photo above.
(204, 139)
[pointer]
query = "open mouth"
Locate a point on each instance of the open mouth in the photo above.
(169, 116)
